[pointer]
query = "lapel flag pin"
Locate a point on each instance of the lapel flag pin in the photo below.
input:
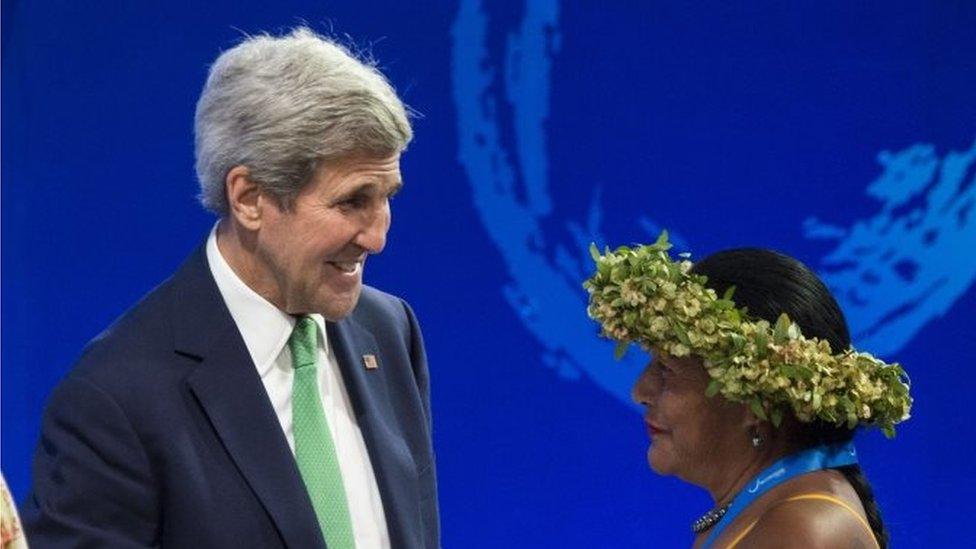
(370, 362)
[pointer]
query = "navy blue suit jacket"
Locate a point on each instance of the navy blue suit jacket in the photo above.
(163, 434)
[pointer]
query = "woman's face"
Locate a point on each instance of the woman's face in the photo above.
(692, 436)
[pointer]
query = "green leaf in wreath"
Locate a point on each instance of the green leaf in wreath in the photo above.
(681, 334)
(662, 241)
(727, 296)
(713, 387)
(620, 349)
(594, 252)
(781, 331)
(757, 409)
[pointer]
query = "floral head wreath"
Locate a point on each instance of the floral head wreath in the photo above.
(640, 295)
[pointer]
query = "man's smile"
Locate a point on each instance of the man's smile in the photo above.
(348, 267)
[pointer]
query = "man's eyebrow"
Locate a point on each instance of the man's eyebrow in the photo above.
(382, 186)
(368, 187)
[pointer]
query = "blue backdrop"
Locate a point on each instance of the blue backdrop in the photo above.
(842, 133)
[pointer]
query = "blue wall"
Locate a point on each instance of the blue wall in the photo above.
(842, 134)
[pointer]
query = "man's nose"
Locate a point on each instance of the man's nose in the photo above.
(372, 237)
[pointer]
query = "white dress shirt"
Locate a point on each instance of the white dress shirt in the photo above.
(266, 330)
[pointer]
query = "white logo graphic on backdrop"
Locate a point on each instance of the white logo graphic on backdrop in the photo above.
(896, 271)
(892, 273)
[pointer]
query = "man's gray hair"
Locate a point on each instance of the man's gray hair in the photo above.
(283, 105)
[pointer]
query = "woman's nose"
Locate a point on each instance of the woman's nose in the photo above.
(643, 388)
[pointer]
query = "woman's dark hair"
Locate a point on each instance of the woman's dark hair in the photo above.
(768, 284)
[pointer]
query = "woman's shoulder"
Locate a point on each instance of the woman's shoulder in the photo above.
(809, 522)
(820, 510)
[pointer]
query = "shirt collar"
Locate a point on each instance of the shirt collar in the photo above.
(264, 327)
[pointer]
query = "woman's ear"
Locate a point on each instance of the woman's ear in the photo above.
(758, 431)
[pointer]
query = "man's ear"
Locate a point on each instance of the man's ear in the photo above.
(243, 198)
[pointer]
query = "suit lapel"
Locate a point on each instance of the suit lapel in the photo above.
(231, 394)
(392, 462)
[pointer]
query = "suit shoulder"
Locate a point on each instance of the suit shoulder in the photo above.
(378, 306)
(139, 337)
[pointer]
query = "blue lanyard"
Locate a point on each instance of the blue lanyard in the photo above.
(813, 459)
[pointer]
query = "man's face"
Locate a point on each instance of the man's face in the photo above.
(311, 259)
